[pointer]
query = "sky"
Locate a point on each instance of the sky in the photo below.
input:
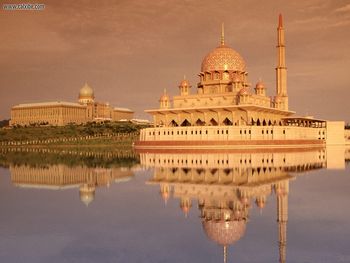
(129, 51)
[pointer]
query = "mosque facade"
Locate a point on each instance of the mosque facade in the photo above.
(225, 110)
(58, 113)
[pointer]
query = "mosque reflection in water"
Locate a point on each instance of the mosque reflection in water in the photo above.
(226, 184)
(60, 177)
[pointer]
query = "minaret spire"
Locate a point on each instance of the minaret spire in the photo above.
(222, 34)
(280, 21)
(225, 253)
(281, 69)
(282, 218)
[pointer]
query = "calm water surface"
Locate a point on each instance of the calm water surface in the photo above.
(175, 207)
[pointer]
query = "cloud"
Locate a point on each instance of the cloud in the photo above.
(342, 9)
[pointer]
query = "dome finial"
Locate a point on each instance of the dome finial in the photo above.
(222, 34)
(280, 21)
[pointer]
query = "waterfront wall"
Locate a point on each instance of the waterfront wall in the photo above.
(225, 133)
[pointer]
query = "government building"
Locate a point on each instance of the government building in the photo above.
(59, 113)
(226, 110)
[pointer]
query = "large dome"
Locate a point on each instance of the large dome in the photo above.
(224, 232)
(86, 91)
(223, 58)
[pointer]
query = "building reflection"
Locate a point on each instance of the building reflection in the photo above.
(226, 186)
(61, 176)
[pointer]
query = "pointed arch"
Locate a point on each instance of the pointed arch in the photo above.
(173, 123)
(199, 122)
(213, 122)
(185, 123)
(227, 122)
(270, 123)
(258, 122)
(226, 75)
(264, 122)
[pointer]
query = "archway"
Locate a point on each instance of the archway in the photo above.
(185, 123)
(173, 123)
(227, 122)
(213, 122)
(258, 122)
(199, 122)
(253, 122)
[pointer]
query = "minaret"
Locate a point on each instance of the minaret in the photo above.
(281, 70)
(282, 190)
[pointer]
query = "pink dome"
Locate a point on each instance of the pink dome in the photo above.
(224, 232)
(223, 58)
(260, 85)
(243, 91)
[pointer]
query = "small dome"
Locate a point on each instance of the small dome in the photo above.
(185, 206)
(245, 201)
(243, 91)
(165, 96)
(184, 83)
(236, 78)
(260, 202)
(86, 91)
(87, 194)
(223, 58)
(224, 232)
(281, 191)
(260, 85)
(278, 99)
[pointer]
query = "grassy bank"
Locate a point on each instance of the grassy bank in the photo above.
(42, 157)
(85, 134)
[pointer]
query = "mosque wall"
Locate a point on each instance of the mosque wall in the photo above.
(232, 133)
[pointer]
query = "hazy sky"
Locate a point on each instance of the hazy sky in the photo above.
(129, 51)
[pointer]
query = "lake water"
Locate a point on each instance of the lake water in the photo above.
(248, 206)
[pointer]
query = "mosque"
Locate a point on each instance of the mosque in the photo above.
(225, 111)
(59, 113)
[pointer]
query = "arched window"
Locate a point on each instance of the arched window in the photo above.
(264, 123)
(207, 76)
(226, 75)
(258, 122)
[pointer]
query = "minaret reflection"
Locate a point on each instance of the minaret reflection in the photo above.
(226, 185)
